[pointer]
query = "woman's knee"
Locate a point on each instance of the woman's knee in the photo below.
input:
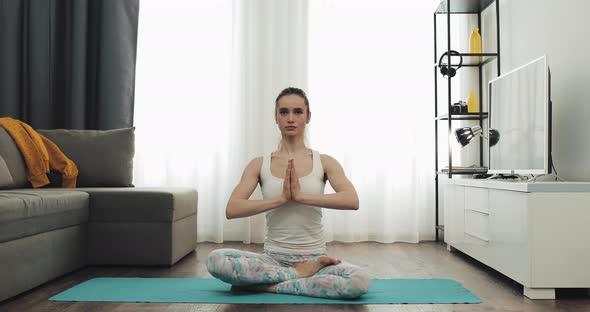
(359, 284)
(216, 260)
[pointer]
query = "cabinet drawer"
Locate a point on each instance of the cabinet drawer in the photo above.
(477, 199)
(477, 224)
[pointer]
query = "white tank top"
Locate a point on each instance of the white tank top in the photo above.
(294, 228)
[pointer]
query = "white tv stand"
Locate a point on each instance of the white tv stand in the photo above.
(535, 233)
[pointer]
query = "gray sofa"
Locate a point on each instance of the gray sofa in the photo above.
(47, 232)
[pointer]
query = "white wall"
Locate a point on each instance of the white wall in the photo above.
(560, 30)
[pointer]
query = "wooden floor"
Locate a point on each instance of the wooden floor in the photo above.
(399, 260)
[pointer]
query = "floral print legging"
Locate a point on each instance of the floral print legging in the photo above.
(241, 268)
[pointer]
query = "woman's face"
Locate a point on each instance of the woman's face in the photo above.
(291, 115)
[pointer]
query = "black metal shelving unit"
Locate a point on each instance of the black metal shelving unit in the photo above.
(471, 60)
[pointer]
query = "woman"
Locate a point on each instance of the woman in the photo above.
(292, 179)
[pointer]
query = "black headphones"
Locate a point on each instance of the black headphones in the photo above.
(446, 69)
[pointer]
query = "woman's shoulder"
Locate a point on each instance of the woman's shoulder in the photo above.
(328, 161)
(255, 164)
(256, 160)
(327, 158)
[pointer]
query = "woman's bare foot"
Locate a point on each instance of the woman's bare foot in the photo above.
(307, 269)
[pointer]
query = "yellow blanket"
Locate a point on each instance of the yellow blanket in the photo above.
(41, 155)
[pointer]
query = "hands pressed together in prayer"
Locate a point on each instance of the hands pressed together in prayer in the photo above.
(291, 186)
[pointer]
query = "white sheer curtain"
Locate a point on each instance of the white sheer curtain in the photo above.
(207, 76)
(371, 87)
(182, 102)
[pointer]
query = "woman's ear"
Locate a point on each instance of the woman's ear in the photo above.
(308, 117)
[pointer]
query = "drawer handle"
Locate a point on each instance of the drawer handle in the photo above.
(473, 235)
(480, 212)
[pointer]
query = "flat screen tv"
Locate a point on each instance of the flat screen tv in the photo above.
(520, 110)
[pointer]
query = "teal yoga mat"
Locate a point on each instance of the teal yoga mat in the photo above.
(208, 290)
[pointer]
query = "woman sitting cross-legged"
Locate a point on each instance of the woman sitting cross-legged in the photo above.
(292, 179)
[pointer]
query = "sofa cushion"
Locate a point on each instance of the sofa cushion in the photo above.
(14, 161)
(5, 176)
(103, 157)
(29, 212)
(141, 204)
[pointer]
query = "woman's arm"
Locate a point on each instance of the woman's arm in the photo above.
(345, 197)
(239, 204)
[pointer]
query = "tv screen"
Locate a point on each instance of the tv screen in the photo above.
(521, 113)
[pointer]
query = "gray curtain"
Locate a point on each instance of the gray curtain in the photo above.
(68, 63)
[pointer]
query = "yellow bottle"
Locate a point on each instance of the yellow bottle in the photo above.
(472, 103)
(475, 41)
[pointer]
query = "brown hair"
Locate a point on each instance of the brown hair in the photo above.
(293, 91)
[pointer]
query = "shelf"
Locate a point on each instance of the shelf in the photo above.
(471, 59)
(458, 173)
(462, 171)
(472, 11)
(463, 116)
(463, 6)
